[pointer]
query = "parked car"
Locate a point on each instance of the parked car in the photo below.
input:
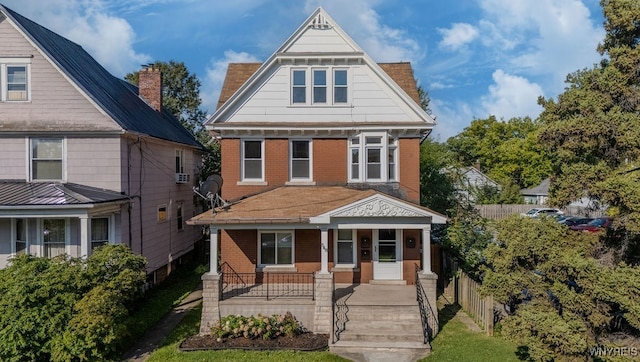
(575, 220)
(595, 225)
(542, 211)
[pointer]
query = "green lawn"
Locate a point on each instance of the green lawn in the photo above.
(457, 343)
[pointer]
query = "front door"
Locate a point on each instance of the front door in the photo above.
(387, 255)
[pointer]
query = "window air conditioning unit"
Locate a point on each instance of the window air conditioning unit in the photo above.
(182, 178)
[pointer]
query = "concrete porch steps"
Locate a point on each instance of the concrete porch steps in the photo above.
(373, 331)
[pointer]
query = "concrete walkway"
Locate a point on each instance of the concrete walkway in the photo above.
(156, 334)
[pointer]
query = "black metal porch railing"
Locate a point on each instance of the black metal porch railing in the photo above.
(427, 316)
(269, 285)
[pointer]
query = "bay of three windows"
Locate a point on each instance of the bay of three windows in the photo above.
(372, 158)
(322, 86)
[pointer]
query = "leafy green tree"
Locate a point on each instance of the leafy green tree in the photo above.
(437, 190)
(508, 152)
(595, 124)
(566, 298)
(67, 309)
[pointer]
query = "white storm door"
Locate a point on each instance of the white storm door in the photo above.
(387, 255)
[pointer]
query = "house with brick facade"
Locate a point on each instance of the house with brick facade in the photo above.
(320, 150)
(87, 158)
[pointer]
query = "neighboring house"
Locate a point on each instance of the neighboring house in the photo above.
(320, 161)
(85, 160)
(469, 181)
(537, 195)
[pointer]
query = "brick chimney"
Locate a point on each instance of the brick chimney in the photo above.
(150, 86)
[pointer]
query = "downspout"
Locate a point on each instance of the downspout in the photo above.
(140, 190)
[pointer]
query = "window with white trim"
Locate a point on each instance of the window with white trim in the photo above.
(20, 241)
(179, 161)
(373, 157)
(299, 87)
(345, 252)
(300, 164)
(54, 239)
(328, 86)
(252, 160)
(319, 86)
(47, 159)
(14, 78)
(276, 248)
(99, 232)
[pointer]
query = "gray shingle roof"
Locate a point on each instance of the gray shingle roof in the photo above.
(20, 193)
(540, 190)
(115, 96)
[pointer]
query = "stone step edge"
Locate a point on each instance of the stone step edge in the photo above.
(378, 345)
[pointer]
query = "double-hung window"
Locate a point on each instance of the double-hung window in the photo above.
(252, 160)
(54, 237)
(319, 86)
(179, 161)
(300, 156)
(299, 87)
(339, 86)
(373, 157)
(14, 78)
(276, 248)
(99, 232)
(180, 217)
(345, 252)
(47, 159)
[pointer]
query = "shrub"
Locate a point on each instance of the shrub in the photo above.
(236, 326)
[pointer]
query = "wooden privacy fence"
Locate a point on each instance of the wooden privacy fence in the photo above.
(467, 296)
(496, 212)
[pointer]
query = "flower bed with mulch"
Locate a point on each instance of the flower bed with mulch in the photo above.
(300, 342)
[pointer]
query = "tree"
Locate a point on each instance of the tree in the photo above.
(563, 300)
(181, 97)
(437, 190)
(594, 126)
(508, 152)
(423, 95)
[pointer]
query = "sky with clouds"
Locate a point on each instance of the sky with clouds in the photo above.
(476, 58)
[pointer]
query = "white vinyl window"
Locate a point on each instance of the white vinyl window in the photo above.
(47, 159)
(320, 86)
(344, 246)
(14, 78)
(299, 87)
(373, 157)
(252, 160)
(300, 164)
(20, 244)
(54, 237)
(340, 94)
(99, 232)
(276, 248)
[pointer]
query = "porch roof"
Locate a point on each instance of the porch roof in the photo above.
(307, 205)
(15, 193)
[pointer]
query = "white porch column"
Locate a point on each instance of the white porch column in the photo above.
(426, 249)
(84, 236)
(213, 250)
(324, 251)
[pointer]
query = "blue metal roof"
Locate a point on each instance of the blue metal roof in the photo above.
(20, 193)
(115, 96)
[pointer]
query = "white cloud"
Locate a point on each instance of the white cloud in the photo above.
(215, 74)
(109, 39)
(458, 35)
(511, 96)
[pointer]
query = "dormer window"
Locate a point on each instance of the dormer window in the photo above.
(329, 86)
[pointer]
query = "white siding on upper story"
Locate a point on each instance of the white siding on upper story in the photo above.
(55, 103)
(370, 99)
(320, 40)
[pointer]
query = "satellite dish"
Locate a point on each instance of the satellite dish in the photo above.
(212, 185)
(209, 189)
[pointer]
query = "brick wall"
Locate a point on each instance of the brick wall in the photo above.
(409, 161)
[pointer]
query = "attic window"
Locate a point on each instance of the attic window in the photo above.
(329, 86)
(14, 79)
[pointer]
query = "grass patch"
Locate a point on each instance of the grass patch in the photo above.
(162, 299)
(457, 343)
(190, 325)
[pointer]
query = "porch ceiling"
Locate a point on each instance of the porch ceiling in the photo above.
(312, 205)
